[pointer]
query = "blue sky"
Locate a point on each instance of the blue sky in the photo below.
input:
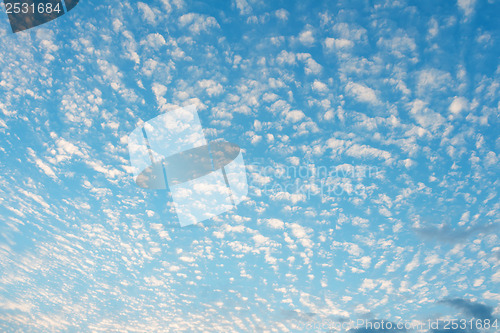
(398, 101)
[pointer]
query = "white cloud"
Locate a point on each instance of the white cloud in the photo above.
(45, 168)
(188, 259)
(167, 4)
(363, 151)
(243, 7)
(261, 240)
(368, 284)
(467, 6)
(400, 46)
(307, 37)
(431, 80)
(340, 43)
(294, 116)
(154, 40)
(65, 150)
(425, 117)
(286, 58)
(432, 260)
(365, 262)
(362, 93)
(35, 197)
(282, 14)
(294, 198)
(147, 13)
(496, 276)
(109, 172)
(302, 234)
(350, 31)
(353, 249)
(275, 223)
(312, 67)
(159, 91)
(42, 165)
(458, 105)
(212, 88)
(198, 23)
(319, 86)
(413, 264)
(493, 296)
(478, 282)
(491, 159)
(294, 160)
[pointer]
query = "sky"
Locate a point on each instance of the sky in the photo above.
(369, 131)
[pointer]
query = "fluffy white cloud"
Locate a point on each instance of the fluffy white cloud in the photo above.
(467, 6)
(212, 88)
(338, 43)
(362, 93)
(198, 23)
(458, 105)
(307, 37)
(319, 86)
(243, 7)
